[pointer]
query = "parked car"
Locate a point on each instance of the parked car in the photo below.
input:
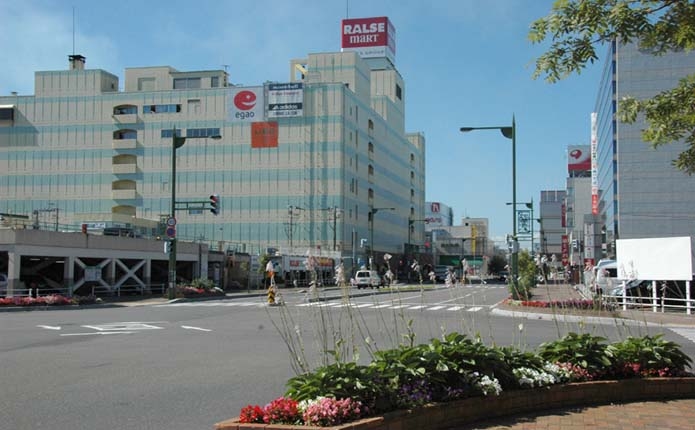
(3, 284)
(440, 273)
(367, 278)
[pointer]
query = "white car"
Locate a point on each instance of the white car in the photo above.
(367, 278)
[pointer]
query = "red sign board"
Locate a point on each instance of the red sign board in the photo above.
(370, 37)
(565, 250)
(264, 135)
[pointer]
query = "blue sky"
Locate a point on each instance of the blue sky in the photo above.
(464, 62)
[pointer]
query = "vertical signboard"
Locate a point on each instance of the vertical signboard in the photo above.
(369, 37)
(565, 250)
(245, 104)
(594, 164)
(589, 242)
(285, 100)
(264, 135)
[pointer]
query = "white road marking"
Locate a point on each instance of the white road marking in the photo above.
(436, 308)
(98, 333)
(688, 333)
(49, 327)
(455, 308)
(188, 327)
(475, 309)
(120, 326)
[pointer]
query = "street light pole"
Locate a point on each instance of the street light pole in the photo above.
(176, 143)
(509, 133)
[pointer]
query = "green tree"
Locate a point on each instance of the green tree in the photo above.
(496, 264)
(576, 28)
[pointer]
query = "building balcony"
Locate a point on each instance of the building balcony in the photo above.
(124, 194)
(125, 118)
(124, 144)
(125, 169)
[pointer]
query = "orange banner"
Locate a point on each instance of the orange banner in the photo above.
(264, 135)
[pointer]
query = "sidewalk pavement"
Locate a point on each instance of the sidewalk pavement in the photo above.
(667, 415)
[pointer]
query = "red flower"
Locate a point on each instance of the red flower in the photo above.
(251, 414)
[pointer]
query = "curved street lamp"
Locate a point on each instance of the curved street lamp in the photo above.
(509, 133)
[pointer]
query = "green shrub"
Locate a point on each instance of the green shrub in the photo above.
(648, 356)
(528, 273)
(340, 381)
(584, 350)
(202, 283)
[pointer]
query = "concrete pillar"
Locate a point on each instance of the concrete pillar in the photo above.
(14, 267)
(69, 274)
(148, 276)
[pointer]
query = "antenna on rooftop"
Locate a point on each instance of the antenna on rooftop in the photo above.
(347, 8)
(226, 66)
(73, 30)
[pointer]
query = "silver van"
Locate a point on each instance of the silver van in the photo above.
(367, 278)
(605, 277)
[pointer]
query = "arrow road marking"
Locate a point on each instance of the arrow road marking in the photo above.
(49, 327)
(188, 327)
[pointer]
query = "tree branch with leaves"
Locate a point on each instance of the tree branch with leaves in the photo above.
(576, 28)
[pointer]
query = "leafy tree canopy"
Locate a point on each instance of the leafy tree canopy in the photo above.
(575, 28)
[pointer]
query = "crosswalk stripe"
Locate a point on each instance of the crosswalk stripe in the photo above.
(337, 305)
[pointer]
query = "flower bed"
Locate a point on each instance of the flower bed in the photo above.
(50, 300)
(191, 292)
(563, 304)
(411, 381)
(466, 411)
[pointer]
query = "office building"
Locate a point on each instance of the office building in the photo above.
(641, 195)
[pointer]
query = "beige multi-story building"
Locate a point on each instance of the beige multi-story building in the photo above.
(320, 161)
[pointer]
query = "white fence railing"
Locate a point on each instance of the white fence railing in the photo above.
(658, 304)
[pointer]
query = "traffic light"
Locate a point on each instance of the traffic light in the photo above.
(215, 204)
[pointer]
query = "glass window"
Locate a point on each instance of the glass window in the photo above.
(146, 84)
(146, 109)
(202, 132)
(168, 133)
(399, 92)
(186, 83)
(214, 82)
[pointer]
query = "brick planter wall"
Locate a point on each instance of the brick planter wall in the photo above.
(451, 414)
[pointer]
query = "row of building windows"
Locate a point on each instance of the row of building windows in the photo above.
(168, 108)
(193, 132)
(168, 133)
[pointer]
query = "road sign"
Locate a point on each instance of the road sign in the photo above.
(171, 221)
(171, 232)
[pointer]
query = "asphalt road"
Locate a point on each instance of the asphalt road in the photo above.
(188, 365)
